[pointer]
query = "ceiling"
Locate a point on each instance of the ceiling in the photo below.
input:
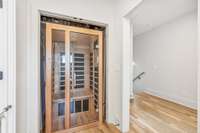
(152, 13)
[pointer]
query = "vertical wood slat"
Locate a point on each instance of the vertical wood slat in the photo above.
(103, 78)
(67, 80)
(48, 89)
(100, 41)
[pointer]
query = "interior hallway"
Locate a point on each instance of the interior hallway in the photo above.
(151, 114)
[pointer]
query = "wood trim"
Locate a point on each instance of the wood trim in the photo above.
(48, 94)
(75, 29)
(67, 80)
(104, 77)
(101, 84)
(57, 26)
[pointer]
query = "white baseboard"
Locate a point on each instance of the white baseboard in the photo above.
(179, 100)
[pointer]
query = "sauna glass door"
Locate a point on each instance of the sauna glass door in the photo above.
(73, 94)
(83, 78)
(58, 73)
(57, 64)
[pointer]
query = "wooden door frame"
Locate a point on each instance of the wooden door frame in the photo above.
(48, 94)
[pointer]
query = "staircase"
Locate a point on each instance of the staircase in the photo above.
(138, 77)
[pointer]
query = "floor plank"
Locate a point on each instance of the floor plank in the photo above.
(105, 128)
(151, 114)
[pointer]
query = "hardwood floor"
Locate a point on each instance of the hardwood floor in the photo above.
(105, 128)
(151, 114)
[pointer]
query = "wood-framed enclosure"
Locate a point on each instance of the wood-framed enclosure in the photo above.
(74, 91)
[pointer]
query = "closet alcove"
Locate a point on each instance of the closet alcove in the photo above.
(72, 73)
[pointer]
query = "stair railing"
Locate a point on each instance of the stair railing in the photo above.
(139, 76)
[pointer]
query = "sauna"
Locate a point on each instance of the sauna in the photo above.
(72, 75)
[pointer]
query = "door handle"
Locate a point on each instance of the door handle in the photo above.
(6, 109)
(74, 79)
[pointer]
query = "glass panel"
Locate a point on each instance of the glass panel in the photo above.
(58, 79)
(78, 106)
(84, 78)
(86, 105)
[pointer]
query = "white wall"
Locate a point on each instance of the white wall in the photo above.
(198, 67)
(28, 54)
(168, 55)
(198, 120)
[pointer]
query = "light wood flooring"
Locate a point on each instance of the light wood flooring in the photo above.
(151, 114)
(105, 128)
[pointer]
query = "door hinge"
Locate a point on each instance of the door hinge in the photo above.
(1, 3)
(1, 75)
